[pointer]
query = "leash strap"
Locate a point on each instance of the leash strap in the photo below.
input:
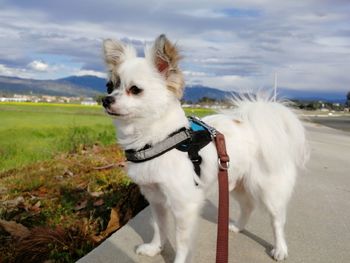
(223, 210)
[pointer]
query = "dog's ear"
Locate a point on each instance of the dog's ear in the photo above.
(166, 57)
(166, 54)
(115, 52)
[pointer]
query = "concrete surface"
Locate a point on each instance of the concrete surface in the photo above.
(318, 222)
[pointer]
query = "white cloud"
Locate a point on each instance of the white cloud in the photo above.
(226, 82)
(194, 73)
(39, 65)
(334, 42)
(316, 76)
(13, 72)
(83, 72)
(203, 13)
(36, 71)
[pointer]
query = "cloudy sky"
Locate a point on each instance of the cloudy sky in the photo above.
(226, 44)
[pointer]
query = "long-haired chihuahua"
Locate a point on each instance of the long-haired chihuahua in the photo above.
(264, 138)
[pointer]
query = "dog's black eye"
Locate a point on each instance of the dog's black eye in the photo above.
(110, 87)
(135, 90)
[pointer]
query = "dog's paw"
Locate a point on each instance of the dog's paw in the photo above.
(148, 249)
(233, 227)
(279, 253)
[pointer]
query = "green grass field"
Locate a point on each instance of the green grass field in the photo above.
(31, 132)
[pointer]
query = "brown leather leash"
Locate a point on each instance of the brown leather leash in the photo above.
(223, 210)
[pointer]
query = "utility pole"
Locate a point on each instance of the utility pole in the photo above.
(275, 88)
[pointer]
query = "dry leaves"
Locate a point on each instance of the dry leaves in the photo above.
(81, 205)
(36, 207)
(73, 178)
(96, 194)
(112, 165)
(13, 203)
(68, 172)
(41, 192)
(3, 190)
(99, 202)
(113, 225)
(114, 221)
(14, 229)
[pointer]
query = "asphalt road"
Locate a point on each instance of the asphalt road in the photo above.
(340, 123)
(317, 229)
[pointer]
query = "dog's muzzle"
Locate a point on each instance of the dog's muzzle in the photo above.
(107, 101)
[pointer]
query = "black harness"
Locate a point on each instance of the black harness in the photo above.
(190, 140)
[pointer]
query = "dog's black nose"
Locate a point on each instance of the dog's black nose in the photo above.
(107, 101)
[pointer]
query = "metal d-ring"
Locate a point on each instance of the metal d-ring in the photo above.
(223, 167)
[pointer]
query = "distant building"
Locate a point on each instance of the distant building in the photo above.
(13, 99)
(89, 102)
(47, 98)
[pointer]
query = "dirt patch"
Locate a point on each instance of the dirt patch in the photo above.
(61, 209)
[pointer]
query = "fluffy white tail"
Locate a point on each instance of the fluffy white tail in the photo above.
(280, 134)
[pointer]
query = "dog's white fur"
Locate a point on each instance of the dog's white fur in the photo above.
(265, 141)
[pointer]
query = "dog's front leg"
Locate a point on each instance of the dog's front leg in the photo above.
(186, 220)
(160, 215)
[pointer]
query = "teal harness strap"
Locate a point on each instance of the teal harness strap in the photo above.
(200, 137)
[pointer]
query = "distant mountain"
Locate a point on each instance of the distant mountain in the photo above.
(11, 85)
(89, 82)
(307, 95)
(89, 86)
(195, 93)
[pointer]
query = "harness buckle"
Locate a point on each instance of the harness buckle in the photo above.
(196, 160)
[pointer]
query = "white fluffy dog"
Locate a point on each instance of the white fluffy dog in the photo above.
(265, 140)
